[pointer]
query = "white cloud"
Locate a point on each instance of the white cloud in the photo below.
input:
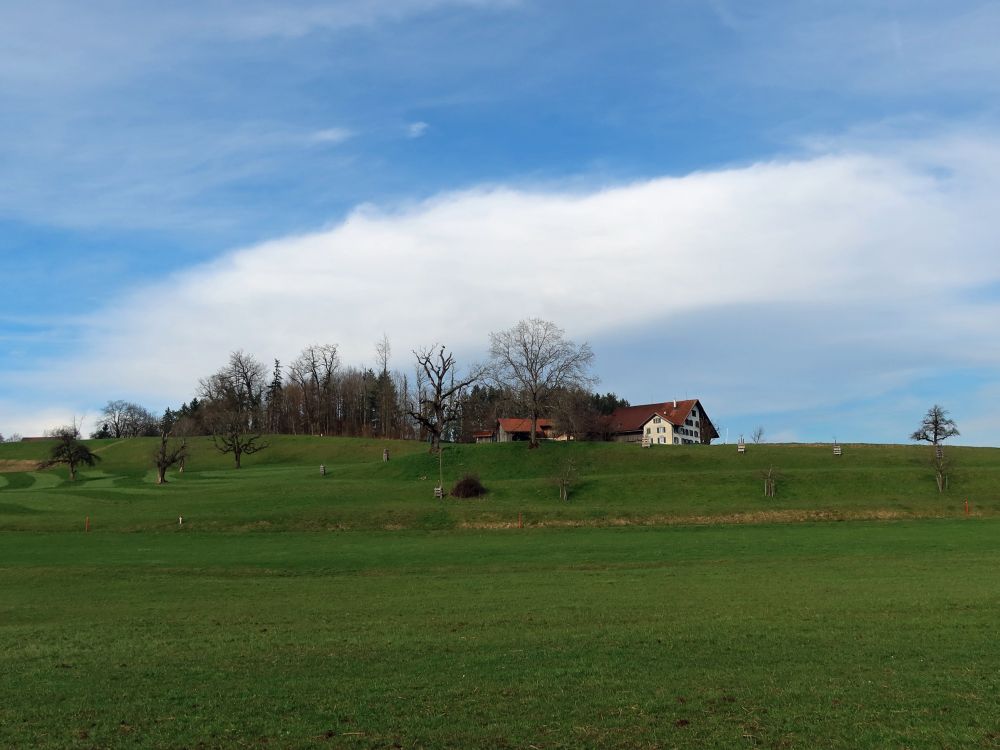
(331, 135)
(416, 129)
(797, 283)
(293, 19)
(865, 47)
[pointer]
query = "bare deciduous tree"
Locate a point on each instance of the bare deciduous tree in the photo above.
(440, 391)
(69, 450)
(941, 468)
(234, 399)
(757, 436)
(126, 419)
(313, 371)
(533, 361)
(566, 478)
(168, 453)
(935, 427)
(770, 477)
(230, 434)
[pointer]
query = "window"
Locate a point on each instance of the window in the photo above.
(662, 440)
(649, 430)
(657, 420)
(677, 441)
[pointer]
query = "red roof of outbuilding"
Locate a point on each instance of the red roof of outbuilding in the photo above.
(510, 424)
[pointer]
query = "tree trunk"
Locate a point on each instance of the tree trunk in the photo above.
(161, 474)
(72, 471)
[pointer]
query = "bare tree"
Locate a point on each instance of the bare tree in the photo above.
(942, 467)
(757, 436)
(534, 361)
(385, 388)
(313, 371)
(115, 414)
(233, 412)
(168, 452)
(383, 352)
(566, 478)
(184, 428)
(69, 450)
(126, 419)
(230, 434)
(439, 398)
(770, 477)
(935, 427)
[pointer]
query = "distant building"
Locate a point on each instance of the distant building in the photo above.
(669, 423)
(515, 430)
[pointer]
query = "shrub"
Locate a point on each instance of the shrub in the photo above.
(468, 486)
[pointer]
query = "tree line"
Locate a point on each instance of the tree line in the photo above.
(533, 371)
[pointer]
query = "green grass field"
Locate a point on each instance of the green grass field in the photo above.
(354, 610)
(281, 488)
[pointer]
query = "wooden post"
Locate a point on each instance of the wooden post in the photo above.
(86, 524)
(385, 455)
(322, 470)
(520, 523)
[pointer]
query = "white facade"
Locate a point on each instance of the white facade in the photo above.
(661, 432)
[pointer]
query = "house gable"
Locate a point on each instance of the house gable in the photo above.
(687, 419)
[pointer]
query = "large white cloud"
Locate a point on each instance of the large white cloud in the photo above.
(863, 263)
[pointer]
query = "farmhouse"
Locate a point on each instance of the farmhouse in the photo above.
(669, 423)
(508, 430)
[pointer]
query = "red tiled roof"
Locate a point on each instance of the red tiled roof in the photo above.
(523, 425)
(632, 418)
(483, 433)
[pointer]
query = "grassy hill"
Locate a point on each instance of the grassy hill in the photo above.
(679, 616)
(281, 487)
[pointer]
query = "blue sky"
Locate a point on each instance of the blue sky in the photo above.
(782, 208)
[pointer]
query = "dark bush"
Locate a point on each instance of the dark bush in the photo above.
(468, 486)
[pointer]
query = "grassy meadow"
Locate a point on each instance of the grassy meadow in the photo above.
(281, 488)
(668, 604)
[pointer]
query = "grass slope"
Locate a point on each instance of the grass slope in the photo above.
(441, 624)
(281, 488)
